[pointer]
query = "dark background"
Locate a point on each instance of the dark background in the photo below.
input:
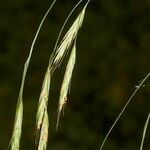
(113, 56)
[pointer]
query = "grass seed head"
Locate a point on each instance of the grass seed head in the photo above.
(15, 140)
(66, 82)
(42, 107)
(43, 139)
(67, 40)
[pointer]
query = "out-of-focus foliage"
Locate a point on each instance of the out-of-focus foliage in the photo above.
(113, 55)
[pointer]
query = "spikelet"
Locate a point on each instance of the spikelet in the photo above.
(67, 40)
(43, 138)
(15, 140)
(42, 116)
(66, 82)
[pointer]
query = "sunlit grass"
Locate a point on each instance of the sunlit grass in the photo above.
(62, 47)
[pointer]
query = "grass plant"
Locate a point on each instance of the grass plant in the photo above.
(62, 47)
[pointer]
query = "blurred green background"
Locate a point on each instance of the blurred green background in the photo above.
(113, 56)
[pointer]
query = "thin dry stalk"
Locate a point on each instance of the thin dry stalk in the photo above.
(124, 108)
(15, 139)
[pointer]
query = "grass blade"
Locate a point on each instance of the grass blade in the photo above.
(144, 131)
(133, 94)
(15, 139)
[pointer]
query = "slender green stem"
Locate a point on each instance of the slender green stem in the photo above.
(137, 88)
(87, 3)
(15, 140)
(31, 49)
(144, 131)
